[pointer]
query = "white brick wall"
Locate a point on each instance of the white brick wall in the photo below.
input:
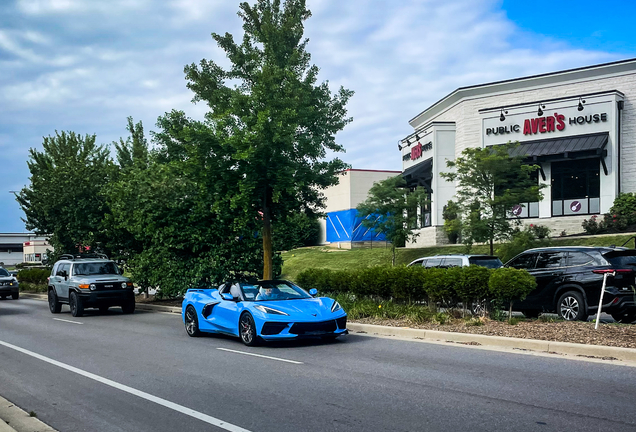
(465, 114)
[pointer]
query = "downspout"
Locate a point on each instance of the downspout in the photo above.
(620, 105)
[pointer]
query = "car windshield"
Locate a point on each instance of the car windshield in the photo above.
(97, 268)
(488, 262)
(3, 272)
(273, 291)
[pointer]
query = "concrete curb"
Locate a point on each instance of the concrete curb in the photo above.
(599, 351)
(596, 351)
(14, 419)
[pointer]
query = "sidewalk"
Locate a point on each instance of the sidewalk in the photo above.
(13, 419)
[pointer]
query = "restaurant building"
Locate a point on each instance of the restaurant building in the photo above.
(578, 125)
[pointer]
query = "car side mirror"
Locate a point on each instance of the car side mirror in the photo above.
(227, 296)
(313, 292)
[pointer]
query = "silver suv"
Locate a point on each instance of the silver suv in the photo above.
(446, 261)
(89, 281)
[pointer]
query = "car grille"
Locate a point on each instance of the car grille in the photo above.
(108, 286)
(273, 328)
(342, 322)
(310, 328)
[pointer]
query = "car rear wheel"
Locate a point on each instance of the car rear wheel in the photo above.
(247, 329)
(54, 304)
(75, 302)
(192, 322)
(15, 296)
(571, 307)
(625, 317)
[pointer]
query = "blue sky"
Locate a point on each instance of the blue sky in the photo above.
(85, 65)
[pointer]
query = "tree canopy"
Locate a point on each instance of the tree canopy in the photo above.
(278, 123)
(489, 183)
(391, 209)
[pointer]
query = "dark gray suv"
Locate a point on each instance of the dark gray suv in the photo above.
(89, 281)
(9, 285)
(569, 281)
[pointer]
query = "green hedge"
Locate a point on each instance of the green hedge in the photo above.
(34, 275)
(416, 284)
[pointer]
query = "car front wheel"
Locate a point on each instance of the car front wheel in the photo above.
(192, 322)
(129, 307)
(247, 329)
(54, 305)
(571, 307)
(15, 296)
(75, 302)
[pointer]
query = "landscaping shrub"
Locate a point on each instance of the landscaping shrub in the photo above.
(472, 285)
(522, 240)
(34, 276)
(509, 284)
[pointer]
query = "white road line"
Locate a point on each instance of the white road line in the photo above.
(262, 356)
(173, 406)
(73, 322)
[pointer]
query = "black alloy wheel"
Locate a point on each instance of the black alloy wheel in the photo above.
(625, 317)
(77, 308)
(128, 307)
(192, 322)
(571, 307)
(247, 329)
(54, 304)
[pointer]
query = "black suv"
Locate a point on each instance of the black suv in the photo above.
(568, 284)
(89, 281)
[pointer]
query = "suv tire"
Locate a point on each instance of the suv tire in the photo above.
(54, 304)
(15, 296)
(75, 302)
(128, 307)
(571, 307)
(625, 317)
(531, 313)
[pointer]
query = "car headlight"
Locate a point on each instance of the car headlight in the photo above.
(335, 306)
(269, 310)
(93, 287)
(124, 285)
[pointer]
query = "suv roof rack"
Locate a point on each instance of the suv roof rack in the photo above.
(83, 256)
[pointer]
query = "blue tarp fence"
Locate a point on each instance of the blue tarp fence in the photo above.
(346, 226)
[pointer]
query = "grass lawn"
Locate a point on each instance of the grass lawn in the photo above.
(297, 260)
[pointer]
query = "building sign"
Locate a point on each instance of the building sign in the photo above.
(560, 119)
(417, 151)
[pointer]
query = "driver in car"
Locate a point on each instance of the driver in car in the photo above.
(268, 293)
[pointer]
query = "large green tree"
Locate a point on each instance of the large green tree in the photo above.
(391, 209)
(489, 183)
(278, 121)
(65, 196)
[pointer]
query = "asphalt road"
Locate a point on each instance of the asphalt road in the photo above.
(142, 372)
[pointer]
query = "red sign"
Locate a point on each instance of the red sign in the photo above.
(544, 124)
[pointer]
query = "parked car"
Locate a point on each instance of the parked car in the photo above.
(267, 310)
(89, 281)
(9, 285)
(568, 285)
(446, 261)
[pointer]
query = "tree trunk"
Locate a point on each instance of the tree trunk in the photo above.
(267, 242)
(510, 313)
(492, 246)
(393, 254)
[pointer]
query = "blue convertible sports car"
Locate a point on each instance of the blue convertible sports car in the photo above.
(268, 310)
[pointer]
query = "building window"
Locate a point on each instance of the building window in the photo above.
(576, 187)
(526, 210)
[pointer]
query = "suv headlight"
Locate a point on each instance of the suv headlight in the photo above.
(124, 285)
(92, 287)
(335, 306)
(269, 310)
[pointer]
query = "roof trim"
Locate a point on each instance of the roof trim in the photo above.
(616, 67)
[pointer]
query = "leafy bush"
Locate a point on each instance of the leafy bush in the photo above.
(34, 275)
(452, 223)
(522, 240)
(540, 231)
(624, 208)
(509, 284)
(592, 225)
(472, 285)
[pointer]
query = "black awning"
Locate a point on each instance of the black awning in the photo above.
(573, 147)
(420, 174)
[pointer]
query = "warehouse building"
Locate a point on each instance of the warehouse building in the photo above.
(578, 125)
